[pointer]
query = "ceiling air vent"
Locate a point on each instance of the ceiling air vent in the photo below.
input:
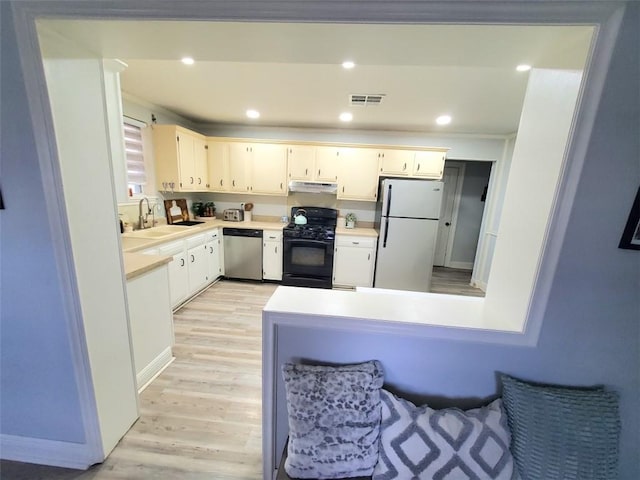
(365, 100)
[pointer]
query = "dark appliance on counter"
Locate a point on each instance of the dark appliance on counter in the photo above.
(308, 248)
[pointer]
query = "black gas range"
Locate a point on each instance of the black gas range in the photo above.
(308, 247)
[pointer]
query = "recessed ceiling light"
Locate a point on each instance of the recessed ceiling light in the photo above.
(523, 68)
(253, 114)
(348, 64)
(346, 117)
(443, 120)
(188, 61)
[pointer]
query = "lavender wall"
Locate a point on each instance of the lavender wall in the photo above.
(38, 390)
(591, 330)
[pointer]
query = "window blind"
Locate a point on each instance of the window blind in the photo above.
(135, 157)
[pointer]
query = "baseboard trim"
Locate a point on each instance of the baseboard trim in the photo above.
(46, 452)
(151, 371)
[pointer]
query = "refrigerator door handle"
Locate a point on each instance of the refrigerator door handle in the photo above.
(388, 200)
(386, 230)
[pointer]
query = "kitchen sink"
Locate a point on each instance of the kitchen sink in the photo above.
(157, 232)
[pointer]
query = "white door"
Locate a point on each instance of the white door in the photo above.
(452, 175)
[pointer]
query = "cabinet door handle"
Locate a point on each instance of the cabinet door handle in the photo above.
(193, 259)
(191, 180)
(210, 249)
(318, 172)
(356, 243)
(404, 167)
(369, 257)
(306, 171)
(343, 189)
(280, 185)
(182, 262)
(418, 169)
(276, 249)
(220, 182)
(233, 183)
(199, 181)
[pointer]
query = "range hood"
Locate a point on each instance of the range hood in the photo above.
(313, 187)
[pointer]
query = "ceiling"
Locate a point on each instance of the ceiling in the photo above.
(292, 73)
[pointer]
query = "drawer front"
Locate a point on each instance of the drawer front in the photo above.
(349, 241)
(172, 248)
(196, 241)
(272, 235)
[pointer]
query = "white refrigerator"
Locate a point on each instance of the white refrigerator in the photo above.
(407, 215)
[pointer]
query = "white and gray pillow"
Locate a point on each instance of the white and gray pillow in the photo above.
(449, 444)
(334, 419)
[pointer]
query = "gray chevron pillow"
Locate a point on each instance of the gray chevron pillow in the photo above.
(425, 444)
(334, 419)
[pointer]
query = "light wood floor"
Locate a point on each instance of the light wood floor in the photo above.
(201, 418)
(453, 281)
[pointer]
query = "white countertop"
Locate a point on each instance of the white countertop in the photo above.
(136, 264)
(132, 243)
(390, 306)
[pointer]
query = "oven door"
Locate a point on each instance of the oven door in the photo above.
(307, 263)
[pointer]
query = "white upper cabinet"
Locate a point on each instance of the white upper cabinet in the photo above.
(218, 163)
(239, 165)
(187, 161)
(181, 159)
(269, 169)
(429, 164)
(327, 161)
(301, 162)
(259, 168)
(357, 174)
(396, 162)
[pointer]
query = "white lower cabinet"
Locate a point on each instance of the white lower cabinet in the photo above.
(193, 266)
(213, 252)
(197, 262)
(151, 323)
(354, 261)
(272, 255)
(178, 276)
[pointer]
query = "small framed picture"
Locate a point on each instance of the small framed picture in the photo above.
(631, 236)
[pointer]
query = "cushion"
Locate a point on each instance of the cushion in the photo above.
(562, 432)
(448, 444)
(334, 419)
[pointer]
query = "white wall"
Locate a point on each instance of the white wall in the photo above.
(78, 104)
(545, 124)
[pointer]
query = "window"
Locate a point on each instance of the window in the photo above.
(133, 145)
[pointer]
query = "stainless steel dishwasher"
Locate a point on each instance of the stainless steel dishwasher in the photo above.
(242, 253)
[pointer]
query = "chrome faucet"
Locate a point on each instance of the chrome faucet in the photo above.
(142, 218)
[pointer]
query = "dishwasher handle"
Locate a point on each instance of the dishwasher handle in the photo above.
(242, 232)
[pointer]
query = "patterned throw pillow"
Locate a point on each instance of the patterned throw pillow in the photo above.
(562, 432)
(334, 419)
(449, 444)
